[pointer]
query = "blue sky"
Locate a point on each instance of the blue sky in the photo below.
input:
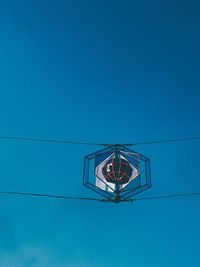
(108, 72)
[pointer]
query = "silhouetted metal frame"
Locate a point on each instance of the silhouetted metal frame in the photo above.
(86, 173)
(146, 184)
(125, 194)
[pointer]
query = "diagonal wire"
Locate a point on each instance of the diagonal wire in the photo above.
(49, 140)
(48, 196)
(165, 141)
(168, 196)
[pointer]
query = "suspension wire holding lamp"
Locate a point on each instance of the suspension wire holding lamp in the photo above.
(115, 172)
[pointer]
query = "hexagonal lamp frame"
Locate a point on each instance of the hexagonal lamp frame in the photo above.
(138, 184)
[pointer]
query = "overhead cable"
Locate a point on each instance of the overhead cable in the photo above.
(96, 144)
(165, 141)
(48, 140)
(94, 199)
(46, 195)
(168, 196)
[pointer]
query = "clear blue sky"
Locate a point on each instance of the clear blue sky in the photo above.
(98, 71)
